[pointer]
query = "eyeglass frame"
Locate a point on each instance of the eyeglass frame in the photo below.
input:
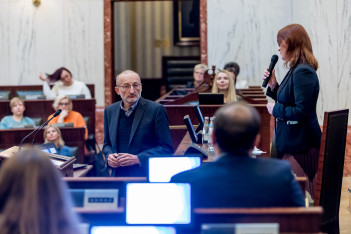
(128, 86)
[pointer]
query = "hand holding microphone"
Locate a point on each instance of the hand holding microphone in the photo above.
(269, 74)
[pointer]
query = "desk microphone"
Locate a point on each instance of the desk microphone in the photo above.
(39, 128)
(274, 60)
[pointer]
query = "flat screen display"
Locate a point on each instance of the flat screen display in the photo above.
(211, 98)
(132, 230)
(158, 203)
(161, 169)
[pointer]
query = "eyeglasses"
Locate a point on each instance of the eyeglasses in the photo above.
(63, 104)
(128, 87)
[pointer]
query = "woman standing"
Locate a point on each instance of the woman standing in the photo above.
(298, 132)
(52, 134)
(223, 83)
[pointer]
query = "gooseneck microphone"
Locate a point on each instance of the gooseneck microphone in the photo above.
(39, 128)
(274, 60)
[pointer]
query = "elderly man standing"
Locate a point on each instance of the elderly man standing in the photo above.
(236, 179)
(134, 128)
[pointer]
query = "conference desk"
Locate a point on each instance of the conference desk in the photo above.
(43, 108)
(73, 137)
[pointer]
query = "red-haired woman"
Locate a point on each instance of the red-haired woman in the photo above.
(298, 132)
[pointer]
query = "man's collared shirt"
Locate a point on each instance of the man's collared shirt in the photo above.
(130, 110)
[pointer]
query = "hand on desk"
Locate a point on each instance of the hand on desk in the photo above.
(122, 160)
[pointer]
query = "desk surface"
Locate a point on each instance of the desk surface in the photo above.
(82, 172)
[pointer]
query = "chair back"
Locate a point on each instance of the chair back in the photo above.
(330, 168)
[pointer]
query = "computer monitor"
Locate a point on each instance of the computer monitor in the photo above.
(162, 168)
(132, 230)
(190, 128)
(211, 98)
(158, 203)
(200, 118)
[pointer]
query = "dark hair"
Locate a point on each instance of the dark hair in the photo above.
(299, 45)
(232, 67)
(57, 74)
(236, 126)
(33, 197)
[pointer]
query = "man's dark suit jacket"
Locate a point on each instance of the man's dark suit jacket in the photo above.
(242, 181)
(149, 136)
(296, 100)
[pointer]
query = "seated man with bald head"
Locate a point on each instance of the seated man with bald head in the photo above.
(236, 179)
(135, 128)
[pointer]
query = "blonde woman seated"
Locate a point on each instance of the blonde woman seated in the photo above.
(52, 134)
(67, 115)
(17, 118)
(33, 197)
(223, 83)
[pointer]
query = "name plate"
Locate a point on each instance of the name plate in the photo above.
(101, 198)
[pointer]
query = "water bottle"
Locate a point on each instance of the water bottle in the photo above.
(210, 144)
(205, 133)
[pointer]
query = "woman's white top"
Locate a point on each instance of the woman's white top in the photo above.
(77, 88)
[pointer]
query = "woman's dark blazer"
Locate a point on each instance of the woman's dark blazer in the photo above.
(295, 110)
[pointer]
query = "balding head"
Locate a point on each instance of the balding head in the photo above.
(236, 126)
(127, 73)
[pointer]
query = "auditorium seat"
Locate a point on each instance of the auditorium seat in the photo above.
(178, 70)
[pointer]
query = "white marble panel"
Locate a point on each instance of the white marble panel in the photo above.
(245, 32)
(4, 38)
(57, 33)
(323, 33)
(22, 38)
(83, 42)
(344, 54)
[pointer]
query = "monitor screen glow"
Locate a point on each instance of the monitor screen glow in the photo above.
(158, 203)
(132, 230)
(161, 169)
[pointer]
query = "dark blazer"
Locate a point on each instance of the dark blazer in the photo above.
(295, 110)
(150, 134)
(242, 181)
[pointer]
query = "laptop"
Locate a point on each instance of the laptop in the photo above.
(162, 168)
(158, 203)
(211, 98)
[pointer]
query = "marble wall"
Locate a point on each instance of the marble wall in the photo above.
(56, 33)
(245, 32)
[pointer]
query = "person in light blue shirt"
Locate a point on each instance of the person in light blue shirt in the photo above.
(52, 134)
(17, 120)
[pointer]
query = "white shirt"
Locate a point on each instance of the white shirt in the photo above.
(77, 88)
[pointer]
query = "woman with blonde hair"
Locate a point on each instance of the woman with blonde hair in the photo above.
(17, 118)
(52, 134)
(223, 83)
(33, 197)
(68, 115)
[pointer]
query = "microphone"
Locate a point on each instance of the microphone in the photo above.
(274, 60)
(39, 128)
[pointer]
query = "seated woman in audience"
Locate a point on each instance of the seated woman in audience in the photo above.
(52, 134)
(234, 69)
(198, 74)
(68, 115)
(33, 197)
(223, 83)
(64, 84)
(17, 118)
